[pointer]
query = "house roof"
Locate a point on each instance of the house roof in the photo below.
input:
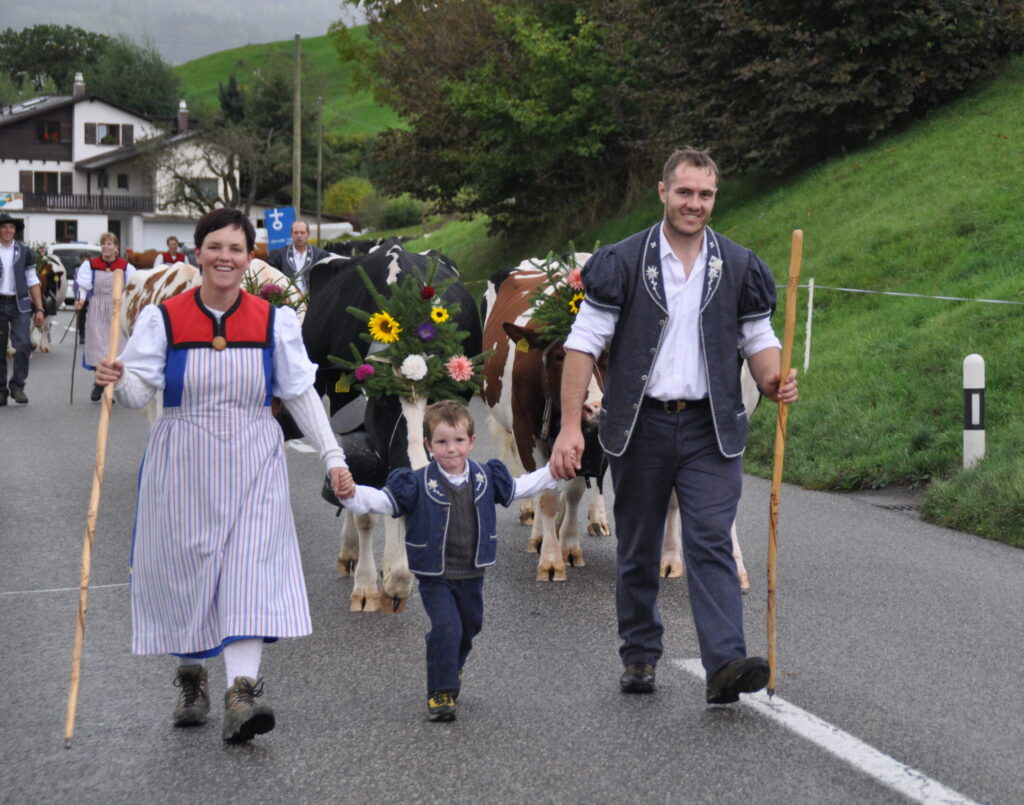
(32, 107)
(128, 152)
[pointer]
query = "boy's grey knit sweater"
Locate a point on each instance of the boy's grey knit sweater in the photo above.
(460, 544)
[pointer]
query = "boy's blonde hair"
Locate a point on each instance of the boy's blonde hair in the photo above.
(451, 412)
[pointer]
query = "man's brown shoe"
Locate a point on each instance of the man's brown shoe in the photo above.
(244, 717)
(637, 678)
(19, 396)
(744, 675)
(194, 699)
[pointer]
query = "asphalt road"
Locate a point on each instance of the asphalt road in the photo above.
(902, 634)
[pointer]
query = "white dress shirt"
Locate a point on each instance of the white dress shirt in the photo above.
(7, 284)
(678, 372)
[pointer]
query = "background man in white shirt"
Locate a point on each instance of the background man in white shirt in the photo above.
(21, 306)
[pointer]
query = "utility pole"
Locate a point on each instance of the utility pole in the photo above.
(319, 165)
(297, 131)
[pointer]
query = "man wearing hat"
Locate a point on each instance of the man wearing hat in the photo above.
(21, 306)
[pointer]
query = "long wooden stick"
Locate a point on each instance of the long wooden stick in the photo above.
(94, 505)
(796, 254)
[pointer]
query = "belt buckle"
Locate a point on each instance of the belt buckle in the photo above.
(674, 406)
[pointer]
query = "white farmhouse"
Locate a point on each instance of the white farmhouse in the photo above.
(72, 167)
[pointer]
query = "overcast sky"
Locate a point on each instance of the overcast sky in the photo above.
(183, 30)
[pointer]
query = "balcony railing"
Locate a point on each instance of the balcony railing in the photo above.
(76, 201)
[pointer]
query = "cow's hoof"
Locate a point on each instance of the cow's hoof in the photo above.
(346, 566)
(364, 602)
(573, 557)
(671, 569)
(549, 571)
(744, 582)
(598, 530)
(526, 518)
(533, 545)
(44, 349)
(393, 605)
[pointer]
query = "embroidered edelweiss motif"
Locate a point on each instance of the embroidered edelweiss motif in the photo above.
(479, 478)
(714, 268)
(432, 485)
(652, 273)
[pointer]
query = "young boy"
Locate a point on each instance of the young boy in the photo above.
(451, 538)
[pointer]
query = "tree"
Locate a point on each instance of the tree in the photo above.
(512, 107)
(134, 75)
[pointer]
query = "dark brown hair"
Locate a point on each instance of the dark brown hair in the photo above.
(220, 218)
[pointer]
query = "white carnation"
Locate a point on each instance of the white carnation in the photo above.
(414, 368)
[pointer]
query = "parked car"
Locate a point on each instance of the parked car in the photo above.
(70, 256)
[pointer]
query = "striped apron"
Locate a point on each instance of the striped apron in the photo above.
(97, 323)
(215, 555)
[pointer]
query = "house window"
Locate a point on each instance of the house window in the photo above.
(45, 182)
(67, 231)
(102, 181)
(122, 181)
(48, 131)
(208, 188)
(108, 134)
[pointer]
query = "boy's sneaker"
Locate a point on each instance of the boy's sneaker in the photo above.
(440, 705)
(244, 717)
(194, 699)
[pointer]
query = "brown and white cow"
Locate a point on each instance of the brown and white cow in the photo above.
(522, 391)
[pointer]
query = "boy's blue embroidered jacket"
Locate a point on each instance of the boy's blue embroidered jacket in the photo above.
(420, 496)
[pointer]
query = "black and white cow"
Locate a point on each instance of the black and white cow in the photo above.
(383, 433)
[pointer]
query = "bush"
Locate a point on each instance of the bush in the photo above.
(399, 212)
(345, 196)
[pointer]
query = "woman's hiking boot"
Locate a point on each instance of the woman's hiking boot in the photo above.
(194, 699)
(244, 717)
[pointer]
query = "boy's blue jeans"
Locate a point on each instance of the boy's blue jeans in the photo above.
(456, 611)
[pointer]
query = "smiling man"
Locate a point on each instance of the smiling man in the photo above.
(679, 307)
(295, 259)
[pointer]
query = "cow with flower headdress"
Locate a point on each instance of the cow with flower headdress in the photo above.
(390, 331)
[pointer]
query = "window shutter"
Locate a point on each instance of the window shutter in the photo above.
(25, 181)
(127, 134)
(65, 183)
(90, 134)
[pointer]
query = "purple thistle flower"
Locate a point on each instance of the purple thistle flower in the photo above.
(270, 290)
(363, 372)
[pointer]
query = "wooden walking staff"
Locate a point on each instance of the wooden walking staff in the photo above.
(796, 253)
(94, 505)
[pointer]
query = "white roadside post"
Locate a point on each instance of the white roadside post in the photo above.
(810, 314)
(974, 410)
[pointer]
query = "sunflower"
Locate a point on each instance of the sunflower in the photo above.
(439, 314)
(574, 303)
(383, 328)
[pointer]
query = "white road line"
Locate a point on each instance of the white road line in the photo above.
(887, 770)
(63, 589)
(300, 446)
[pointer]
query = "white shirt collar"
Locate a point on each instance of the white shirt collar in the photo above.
(456, 480)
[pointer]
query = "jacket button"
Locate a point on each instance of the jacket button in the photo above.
(653, 350)
(643, 377)
(662, 322)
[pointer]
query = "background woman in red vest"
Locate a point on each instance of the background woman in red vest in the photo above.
(95, 281)
(172, 255)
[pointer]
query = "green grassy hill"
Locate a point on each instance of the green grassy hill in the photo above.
(323, 75)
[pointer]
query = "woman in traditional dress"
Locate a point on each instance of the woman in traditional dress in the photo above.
(94, 282)
(215, 560)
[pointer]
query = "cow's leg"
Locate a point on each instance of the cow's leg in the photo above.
(737, 554)
(597, 516)
(551, 566)
(672, 549)
(365, 597)
(568, 530)
(44, 335)
(536, 527)
(397, 582)
(348, 550)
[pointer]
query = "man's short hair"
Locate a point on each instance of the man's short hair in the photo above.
(300, 221)
(697, 157)
(220, 218)
(450, 412)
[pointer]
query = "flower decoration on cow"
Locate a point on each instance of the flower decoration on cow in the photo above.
(416, 344)
(287, 295)
(556, 302)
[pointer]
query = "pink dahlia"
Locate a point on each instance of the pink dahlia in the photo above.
(270, 290)
(575, 279)
(363, 372)
(460, 368)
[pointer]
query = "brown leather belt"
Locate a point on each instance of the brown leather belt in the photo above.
(673, 406)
